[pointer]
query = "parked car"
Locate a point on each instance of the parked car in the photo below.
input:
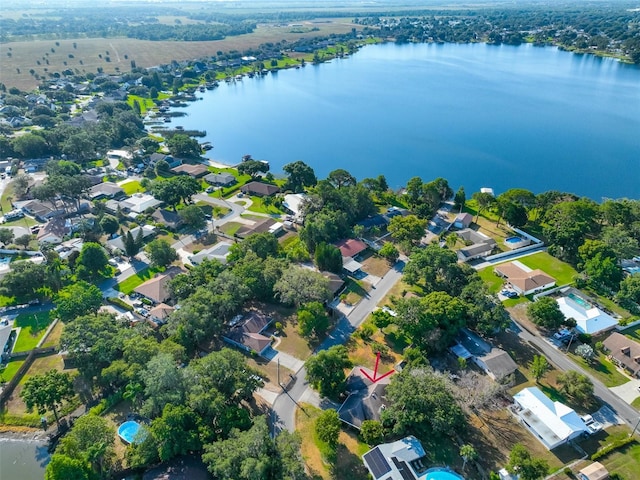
(592, 425)
(209, 190)
(561, 334)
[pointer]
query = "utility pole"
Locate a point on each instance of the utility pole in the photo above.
(635, 428)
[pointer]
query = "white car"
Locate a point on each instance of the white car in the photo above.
(592, 425)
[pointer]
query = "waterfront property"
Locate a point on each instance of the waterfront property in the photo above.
(220, 179)
(625, 352)
(463, 220)
(481, 245)
(403, 460)
(523, 279)
(589, 318)
(552, 423)
(259, 189)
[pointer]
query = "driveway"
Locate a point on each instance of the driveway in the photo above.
(286, 360)
(628, 391)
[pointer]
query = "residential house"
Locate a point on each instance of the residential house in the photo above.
(375, 221)
(167, 218)
(156, 289)
(195, 171)
(39, 210)
(523, 279)
(66, 248)
(54, 231)
(404, 459)
(260, 189)
(336, 283)
(351, 247)
(112, 206)
(293, 203)
(589, 318)
(552, 423)
(105, 190)
(595, 471)
(220, 251)
(463, 220)
(220, 179)
(246, 333)
(139, 202)
(267, 225)
(497, 363)
(117, 244)
(625, 352)
(481, 245)
(156, 157)
(366, 399)
(351, 266)
(159, 314)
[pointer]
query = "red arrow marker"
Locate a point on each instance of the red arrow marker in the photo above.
(377, 378)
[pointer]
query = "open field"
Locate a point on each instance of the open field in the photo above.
(14, 70)
(562, 272)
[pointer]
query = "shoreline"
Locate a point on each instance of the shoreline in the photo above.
(11, 434)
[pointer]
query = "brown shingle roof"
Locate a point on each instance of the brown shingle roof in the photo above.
(193, 170)
(156, 289)
(625, 351)
(525, 281)
(259, 188)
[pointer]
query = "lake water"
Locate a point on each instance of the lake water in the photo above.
(476, 114)
(22, 459)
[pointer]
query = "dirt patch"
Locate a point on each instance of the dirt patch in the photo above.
(374, 265)
(269, 371)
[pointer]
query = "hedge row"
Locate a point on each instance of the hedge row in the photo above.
(612, 446)
(120, 303)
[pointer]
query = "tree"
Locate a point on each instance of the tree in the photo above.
(312, 320)
(91, 440)
(24, 279)
(629, 294)
(164, 384)
(296, 251)
(93, 342)
(459, 200)
(29, 146)
(161, 253)
(522, 464)
(193, 216)
(63, 467)
(515, 214)
(325, 371)
(47, 392)
(603, 273)
(253, 168)
(483, 201)
(390, 252)
(300, 176)
(622, 244)
(131, 246)
(421, 402)
(539, 367)
(341, 178)
(6, 236)
(576, 385)
(408, 229)
(24, 240)
(183, 146)
(327, 427)
(328, 257)
(467, 452)
(109, 224)
(175, 432)
(93, 259)
(372, 432)
(77, 299)
(546, 313)
(586, 352)
(300, 285)
(21, 185)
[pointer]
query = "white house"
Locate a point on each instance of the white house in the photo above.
(139, 202)
(463, 220)
(552, 423)
(397, 460)
(589, 318)
(220, 251)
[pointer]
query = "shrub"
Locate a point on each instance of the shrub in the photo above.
(611, 447)
(120, 303)
(106, 404)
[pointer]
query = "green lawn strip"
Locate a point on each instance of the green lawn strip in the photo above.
(494, 282)
(230, 228)
(636, 403)
(132, 187)
(633, 332)
(4, 300)
(10, 370)
(6, 195)
(625, 461)
(259, 206)
(33, 326)
(562, 272)
(128, 285)
(354, 291)
(602, 369)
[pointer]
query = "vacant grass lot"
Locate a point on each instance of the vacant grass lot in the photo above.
(139, 278)
(562, 272)
(602, 369)
(132, 187)
(33, 326)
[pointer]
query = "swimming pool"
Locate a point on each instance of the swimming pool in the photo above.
(442, 474)
(633, 270)
(513, 240)
(128, 431)
(579, 300)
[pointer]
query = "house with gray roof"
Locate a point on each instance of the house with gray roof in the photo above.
(221, 179)
(481, 245)
(366, 399)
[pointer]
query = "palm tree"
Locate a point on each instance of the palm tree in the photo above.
(133, 391)
(467, 452)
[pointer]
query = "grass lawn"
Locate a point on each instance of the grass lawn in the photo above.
(53, 339)
(347, 464)
(636, 403)
(258, 205)
(33, 327)
(494, 282)
(6, 195)
(10, 369)
(230, 228)
(355, 291)
(375, 265)
(132, 187)
(291, 341)
(562, 272)
(633, 333)
(602, 369)
(139, 278)
(625, 462)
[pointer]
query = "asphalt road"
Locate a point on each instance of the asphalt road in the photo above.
(625, 411)
(284, 407)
